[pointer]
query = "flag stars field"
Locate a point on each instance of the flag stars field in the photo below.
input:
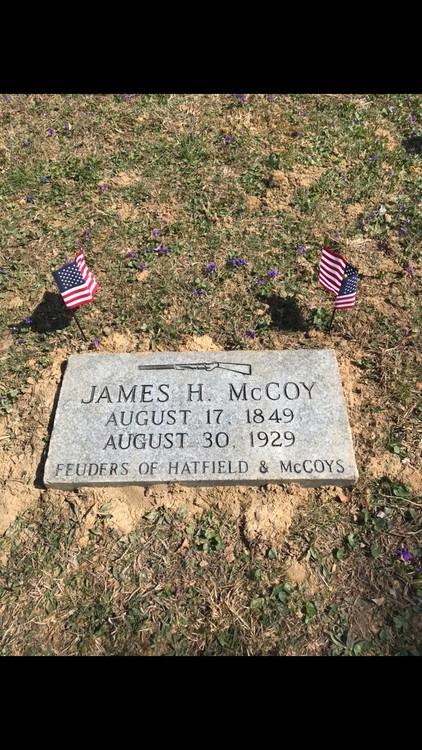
(76, 282)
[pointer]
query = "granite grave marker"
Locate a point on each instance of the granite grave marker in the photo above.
(201, 418)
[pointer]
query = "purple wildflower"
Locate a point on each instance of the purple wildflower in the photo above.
(301, 249)
(211, 267)
(20, 341)
(132, 253)
(238, 262)
(118, 216)
(410, 269)
(372, 158)
(404, 554)
(335, 235)
(412, 118)
(28, 321)
(30, 198)
(405, 331)
(228, 138)
(88, 234)
(6, 98)
(251, 334)
(103, 187)
(43, 180)
(271, 98)
(297, 132)
(15, 329)
(50, 131)
(404, 230)
(156, 233)
(96, 341)
(126, 97)
(273, 273)
(26, 144)
(260, 282)
(390, 172)
(143, 266)
(162, 249)
(199, 292)
(241, 97)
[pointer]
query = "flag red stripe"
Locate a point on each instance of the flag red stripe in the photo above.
(80, 302)
(334, 268)
(331, 284)
(334, 257)
(342, 302)
(77, 300)
(331, 270)
(339, 304)
(327, 253)
(76, 292)
(347, 298)
(83, 294)
(80, 294)
(83, 268)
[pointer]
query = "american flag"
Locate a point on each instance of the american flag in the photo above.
(347, 293)
(76, 282)
(331, 270)
(339, 277)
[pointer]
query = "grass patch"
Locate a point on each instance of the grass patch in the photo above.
(205, 215)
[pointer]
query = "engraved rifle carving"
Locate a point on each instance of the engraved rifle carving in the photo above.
(208, 366)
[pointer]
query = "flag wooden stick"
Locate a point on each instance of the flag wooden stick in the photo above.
(79, 325)
(331, 321)
(75, 319)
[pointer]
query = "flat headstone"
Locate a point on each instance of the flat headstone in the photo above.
(201, 418)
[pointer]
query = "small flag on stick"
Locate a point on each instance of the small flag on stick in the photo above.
(339, 277)
(346, 296)
(331, 270)
(76, 282)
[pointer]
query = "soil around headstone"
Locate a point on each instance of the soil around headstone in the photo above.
(264, 513)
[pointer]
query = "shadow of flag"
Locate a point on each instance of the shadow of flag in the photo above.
(286, 313)
(50, 315)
